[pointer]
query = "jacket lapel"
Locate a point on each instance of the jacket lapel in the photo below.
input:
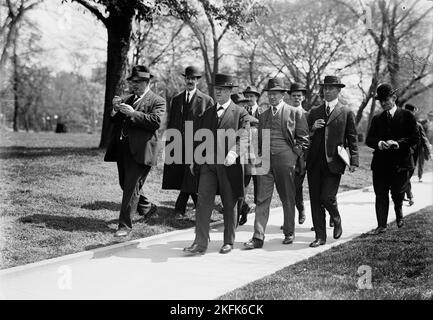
(196, 103)
(228, 114)
(338, 110)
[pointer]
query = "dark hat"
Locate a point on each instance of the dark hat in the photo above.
(192, 71)
(224, 80)
(383, 91)
(296, 86)
(238, 97)
(253, 90)
(410, 107)
(140, 72)
(275, 84)
(332, 81)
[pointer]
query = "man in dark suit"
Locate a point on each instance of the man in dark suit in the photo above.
(186, 106)
(288, 140)
(332, 126)
(420, 153)
(392, 133)
(134, 143)
(218, 166)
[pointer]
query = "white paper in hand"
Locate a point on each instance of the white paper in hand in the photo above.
(343, 155)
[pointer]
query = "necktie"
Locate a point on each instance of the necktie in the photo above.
(388, 115)
(274, 110)
(187, 97)
(220, 111)
(328, 110)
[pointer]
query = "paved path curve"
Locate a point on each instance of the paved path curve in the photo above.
(155, 268)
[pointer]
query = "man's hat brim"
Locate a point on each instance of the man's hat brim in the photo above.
(140, 76)
(383, 97)
(277, 89)
(336, 84)
(253, 92)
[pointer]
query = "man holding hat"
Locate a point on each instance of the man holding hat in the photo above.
(221, 171)
(392, 134)
(186, 106)
(288, 140)
(332, 129)
(134, 143)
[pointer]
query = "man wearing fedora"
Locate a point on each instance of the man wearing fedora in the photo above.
(288, 140)
(332, 128)
(392, 134)
(420, 153)
(221, 172)
(186, 106)
(133, 143)
(252, 95)
(297, 95)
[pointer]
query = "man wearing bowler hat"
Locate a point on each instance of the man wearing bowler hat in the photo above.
(288, 140)
(220, 172)
(186, 106)
(332, 129)
(134, 143)
(392, 134)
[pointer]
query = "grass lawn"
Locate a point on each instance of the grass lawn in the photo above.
(58, 196)
(401, 262)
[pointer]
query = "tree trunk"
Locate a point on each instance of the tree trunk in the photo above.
(15, 84)
(119, 29)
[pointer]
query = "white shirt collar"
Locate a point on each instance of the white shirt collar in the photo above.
(191, 93)
(225, 105)
(332, 104)
(254, 109)
(279, 106)
(392, 110)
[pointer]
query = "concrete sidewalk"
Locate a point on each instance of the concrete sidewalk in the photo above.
(155, 268)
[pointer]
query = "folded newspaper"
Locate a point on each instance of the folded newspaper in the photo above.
(343, 155)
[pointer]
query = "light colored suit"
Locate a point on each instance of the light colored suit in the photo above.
(294, 129)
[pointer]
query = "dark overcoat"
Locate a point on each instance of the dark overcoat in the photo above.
(177, 176)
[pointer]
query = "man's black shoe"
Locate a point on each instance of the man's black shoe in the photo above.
(302, 217)
(253, 243)
(226, 248)
(194, 249)
(289, 239)
(400, 223)
(338, 230)
(153, 208)
(317, 242)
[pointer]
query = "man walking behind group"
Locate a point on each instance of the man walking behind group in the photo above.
(186, 106)
(392, 134)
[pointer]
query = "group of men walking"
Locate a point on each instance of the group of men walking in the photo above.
(292, 143)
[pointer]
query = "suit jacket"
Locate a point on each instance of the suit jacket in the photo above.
(141, 128)
(174, 174)
(296, 128)
(340, 130)
(403, 129)
(236, 118)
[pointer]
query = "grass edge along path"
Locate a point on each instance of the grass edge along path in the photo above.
(399, 261)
